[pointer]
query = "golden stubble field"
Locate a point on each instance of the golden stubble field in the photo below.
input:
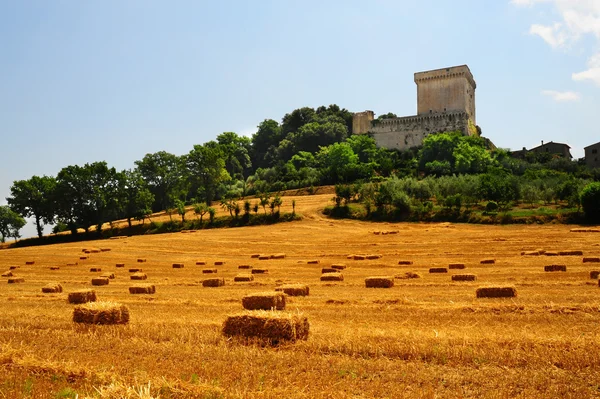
(423, 338)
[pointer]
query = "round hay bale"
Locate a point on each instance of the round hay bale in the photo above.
(247, 267)
(138, 276)
(456, 266)
(264, 301)
(438, 270)
(213, 282)
(209, 271)
(555, 268)
(103, 313)
(570, 253)
(120, 265)
(464, 277)
(590, 259)
(219, 263)
(379, 282)
(313, 262)
(294, 289)
(95, 269)
(110, 276)
(52, 288)
(259, 271)
(82, 296)
(243, 278)
(271, 327)
(332, 277)
(200, 263)
(405, 262)
(329, 270)
(338, 266)
(278, 256)
(496, 292)
(99, 281)
(488, 262)
(254, 256)
(7, 274)
(141, 260)
(594, 274)
(142, 289)
(135, 270)
(407, 276)
(178, 265)
(15, 280)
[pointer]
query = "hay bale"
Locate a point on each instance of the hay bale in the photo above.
(95, 251)
(496, 292)
(52, 288)
(120, 265)
(30, 262)
(200, 263)
(135, 270)
(178, 265)
(213, 282)
(54, 268)
(247, 267)
(407, 275)
(13, 267)
(313, 262)
(82, 296)
(438, 270)
(570, 253)
(219, 263)
(590, 259)
(101, 313)
(358, 257)
(264, 257)
(329, 270)
(138, 276)
(83, 257)
(7, 274)
(105, 249)
(373, 257)
(255, 256)
(259, 271)
(488, 262)
(379, 282)
(141, 260)
(95, 269)
(142, 289)
(338, 266)
(405, 262)
(350, 257)
(530, 253)
(99, 281)
(377, 233)
(15, 280)
(464, 277)
(332, 277)
(110, 276)
(549, 253)
(278, 256)
(209, 271)
(555, 268)
(72, 264)
(243, 278)
(578, 230)
(294, 289)
(264, 301)
(594, 274)
(456, 266)
(272, 327)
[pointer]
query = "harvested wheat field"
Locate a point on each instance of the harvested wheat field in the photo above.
(428, 337)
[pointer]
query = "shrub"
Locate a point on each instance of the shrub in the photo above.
(590, 202)
(491, 207)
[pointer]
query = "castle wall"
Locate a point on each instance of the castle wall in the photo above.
(361, 122)
(404, 133)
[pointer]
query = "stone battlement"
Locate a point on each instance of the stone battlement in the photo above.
(446, 73)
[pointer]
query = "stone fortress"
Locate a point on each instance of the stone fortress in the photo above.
(445, 102)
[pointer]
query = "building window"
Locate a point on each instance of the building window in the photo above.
(595, 151)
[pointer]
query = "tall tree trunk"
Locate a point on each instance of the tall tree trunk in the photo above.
(38, 226)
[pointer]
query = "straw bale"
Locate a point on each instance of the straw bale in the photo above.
(87, 251)
(243, 277)
(219, 263)
(590, 259)
(208, 271)
(454, 266)
(200, 263)
(52, 288)
(394, 232)
(83, 257)
(101, 313)
(332, 277)
(438, 270)
(358, 257)
(82, 296)
(313, 262)
(488, 261)
(135, 270)
(99, 281)
(264, 301)
(570, 253)
(464, 277)
(213, 282)
(338, 266)
(95, 269)
(13, 267)
(405, 262)
(294, 289)
(105, 249)
(30, 262)
(244, 267)
(377, 233)
(496, 292)
(138, 276)
(15, 280)
(555, 268)
(117, 237)
(254, 256)
(530, 253)
(264, 257)
(372, 257)
(594, 274)
(278, 256)
(541, 251)
(95, 250)
(108, 275)
(272, 327)
(178, 265)
(585, 230)
(72, 264)
(7, 274)
(407, 275)
(329, 270)
(350, 257)
(120, 265)
(142, 289)
(141, 260)
(54, 268)
(379, 282)
(259, 271)
(549, 253)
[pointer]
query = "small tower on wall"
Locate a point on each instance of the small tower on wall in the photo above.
(446, 90)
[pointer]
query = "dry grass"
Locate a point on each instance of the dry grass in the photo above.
(101, 313)
(264, 301)
(427, 337)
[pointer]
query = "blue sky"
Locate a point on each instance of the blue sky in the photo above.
(85, 81)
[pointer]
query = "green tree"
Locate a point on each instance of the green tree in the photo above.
(201, 209)
(180, 208)
(34, 198)
(236, 151)
(10, 223)
(338, 163)
(590, 202)
(206, 169)
(267, 136)
(136, 198)
(164, 175)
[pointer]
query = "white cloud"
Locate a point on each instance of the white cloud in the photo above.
(553, 35)
(592, 73)
(561, 96)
